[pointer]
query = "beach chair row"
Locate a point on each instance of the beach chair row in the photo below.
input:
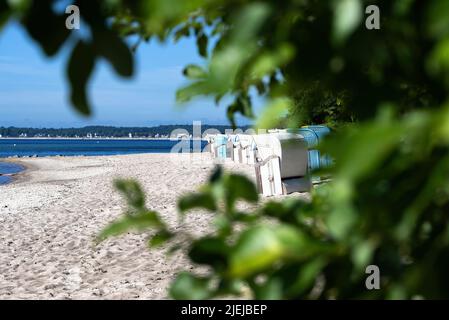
(283, 159)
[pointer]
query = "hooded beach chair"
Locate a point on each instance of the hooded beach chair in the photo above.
(242, 139)
(210, 144)
(230, 147)
(235, 148)
(314, 135)
(281, 164)
(220, 145)
(247, 148)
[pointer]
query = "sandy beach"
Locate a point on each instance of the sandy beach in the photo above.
(51, 214)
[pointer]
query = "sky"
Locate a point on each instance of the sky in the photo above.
(34, 91)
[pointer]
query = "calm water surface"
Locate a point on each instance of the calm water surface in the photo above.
(86, 147)
(6, 168)
(82, 147)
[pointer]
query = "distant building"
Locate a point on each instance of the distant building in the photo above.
(130, 135)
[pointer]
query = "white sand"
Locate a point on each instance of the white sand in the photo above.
(51, 215)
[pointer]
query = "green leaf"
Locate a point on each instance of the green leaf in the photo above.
(189, 287)
(270, 61)
(216, 175)
(139, 222)
(218, 98)
(438, 62)
(79, 70)
(197, 201)
(44, 25)
(17, 5)
(202, 42)
(228, 60)
(245, 217)
(362, 254)
(182, 32)
(239, 187)
(195, 89)
(273, 113)
(260, 87)
(270, 290)
(133, 193)
(242, 105)
(365, 145)
(228, 287)
(438, 18)
(306, 277)
(5, 13)
(223, 225)
(285, 211)
(249, 21)
(347, 16)
(261, 248)
(192, 71)
(160, 238)
(292, 240)
(110, 46)
(341, 220)
(257, 249)
(212, 251)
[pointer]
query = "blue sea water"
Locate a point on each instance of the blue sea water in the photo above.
(81, 147)
(5, 168)
(84, 147)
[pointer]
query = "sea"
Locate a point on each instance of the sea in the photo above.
(11, 148)
(8, 168)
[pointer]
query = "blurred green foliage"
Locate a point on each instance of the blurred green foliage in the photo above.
(388, 201)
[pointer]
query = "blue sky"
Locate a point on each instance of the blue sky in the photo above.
(34, 92)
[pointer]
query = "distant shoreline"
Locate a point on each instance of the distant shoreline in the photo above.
(196, 129)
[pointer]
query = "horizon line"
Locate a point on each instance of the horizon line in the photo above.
(114, 126)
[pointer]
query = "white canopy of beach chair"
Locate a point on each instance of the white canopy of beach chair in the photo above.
(281, 163)
(236, 148)
(230, 147)
(210, 144)
(220, 146)
(247, 148)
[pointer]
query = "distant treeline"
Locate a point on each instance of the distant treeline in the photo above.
(106, 131)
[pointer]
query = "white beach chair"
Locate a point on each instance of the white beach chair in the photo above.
(220, 146)
(236, 148)
(247, 148)
(242, 149)
(281, 164)
(210, 144)
(230, 147)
